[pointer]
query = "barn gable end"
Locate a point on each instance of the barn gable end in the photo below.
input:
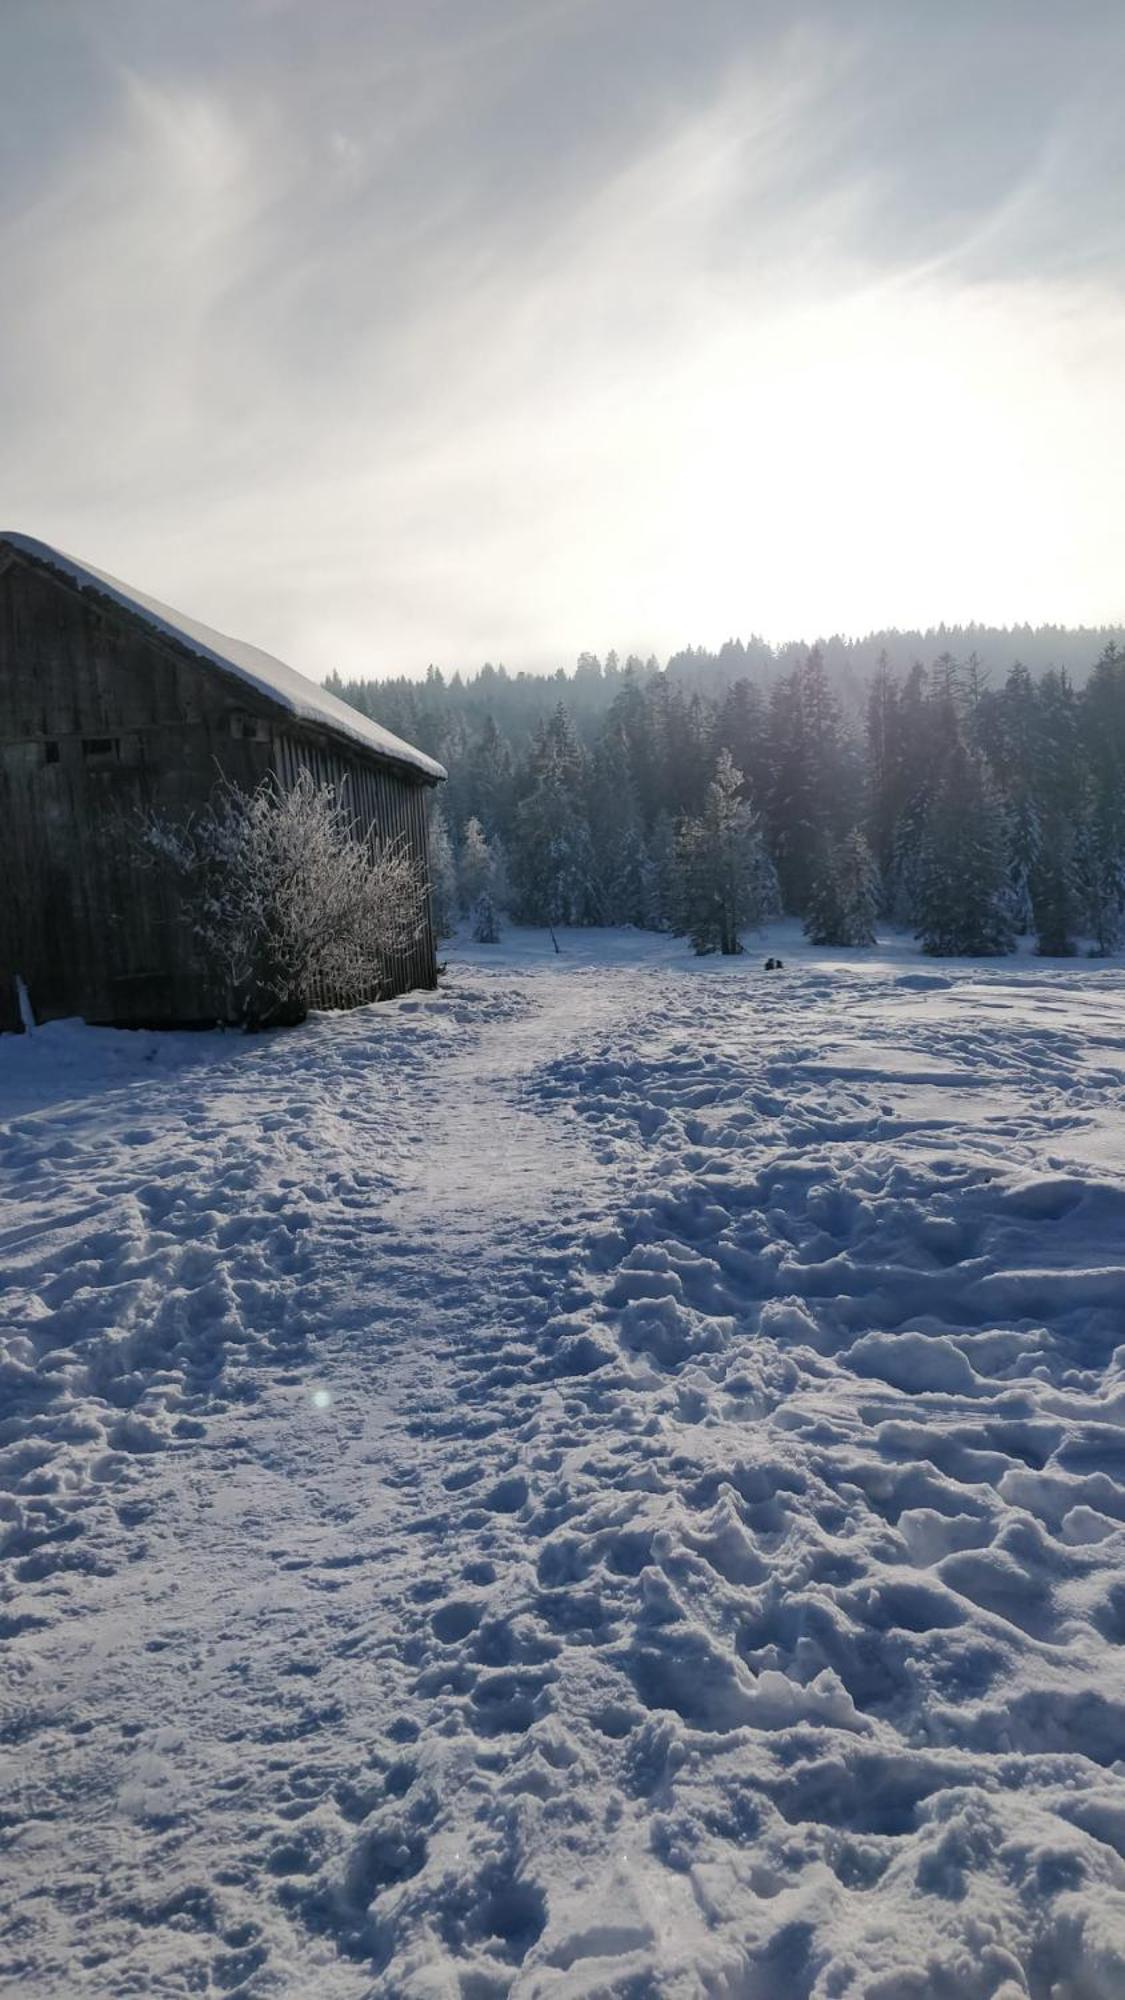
(106, 705)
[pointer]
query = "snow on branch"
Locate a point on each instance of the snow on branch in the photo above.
(287, 898)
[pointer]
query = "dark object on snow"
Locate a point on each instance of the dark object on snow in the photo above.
(774, 965)
(110, 704)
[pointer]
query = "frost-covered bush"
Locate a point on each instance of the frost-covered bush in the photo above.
(486, 920)
(287, 898)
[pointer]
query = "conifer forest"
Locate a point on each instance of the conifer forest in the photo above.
(842, 785)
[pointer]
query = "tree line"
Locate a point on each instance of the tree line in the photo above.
(704, 802)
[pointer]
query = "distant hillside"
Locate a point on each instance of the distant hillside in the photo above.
(426, 711)
(996, 647)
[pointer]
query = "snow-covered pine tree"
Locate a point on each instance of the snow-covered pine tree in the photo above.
(882, 783)
(474, 866)
(1023, 839)
(1101, 841)
(963, 905)
(660, 883)
(631, 877)
(485, 919)
(1056, 886)
(805, 796)
(1056, 897)
(1099, 862)
(740, 726)
(489, 776)
(844, 900)
(500, 885)
(615, 833)
(1006, 728)
(922, 729)
(552, 857)
(443, 872)
(724, 879)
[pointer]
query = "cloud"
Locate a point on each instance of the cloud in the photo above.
(397, 332)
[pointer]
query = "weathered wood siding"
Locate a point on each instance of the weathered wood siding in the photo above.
(99, 715)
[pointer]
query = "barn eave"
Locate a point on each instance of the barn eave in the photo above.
(284, 691)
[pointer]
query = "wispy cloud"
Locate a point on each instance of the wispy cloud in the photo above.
(388, 333)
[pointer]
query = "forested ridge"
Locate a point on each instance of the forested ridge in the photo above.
(841, 784)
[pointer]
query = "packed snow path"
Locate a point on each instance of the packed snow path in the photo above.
(605, 1480)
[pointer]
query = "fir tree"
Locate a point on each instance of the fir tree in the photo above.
(845, 898)
(485, 919)
(1056, 902)
(883, 787)
(615, 833)
(740, 727)
(553, 857)
(724, 881)
(442, 873)
(489, 778)
(1099, 865)
(660, 882)
(474, 866)
(805, 795)
(500, 885)
(963, 895)
(1101, 841)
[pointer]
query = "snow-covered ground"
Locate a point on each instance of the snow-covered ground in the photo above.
(605, 1480)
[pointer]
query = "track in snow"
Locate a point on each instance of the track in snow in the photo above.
(705, 1576)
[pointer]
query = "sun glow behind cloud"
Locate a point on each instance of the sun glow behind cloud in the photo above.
(294, 348)
(907, 449)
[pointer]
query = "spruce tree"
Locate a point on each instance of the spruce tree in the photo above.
(552, 857)
(615, 833)
(1101, 840)
(927, 735)
(485, 919)
(724, 879)
(740, 727)
(661, 880)
(805, 800)
(1099, 860)
(489, 779)
(844, 900)
(442, 874)
(1057, 892)
(474, 866)
(963, 894)
(883, 791)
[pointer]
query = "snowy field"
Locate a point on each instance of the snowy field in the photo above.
(606, 1480)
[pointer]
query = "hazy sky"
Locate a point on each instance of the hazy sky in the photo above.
(388, 331)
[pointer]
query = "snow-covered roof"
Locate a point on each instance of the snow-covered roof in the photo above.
(279, 683)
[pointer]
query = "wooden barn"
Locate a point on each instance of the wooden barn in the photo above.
(110, 701)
